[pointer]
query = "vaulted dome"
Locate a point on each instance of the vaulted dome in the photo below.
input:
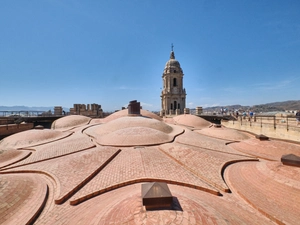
(133, 131)
(172, 66)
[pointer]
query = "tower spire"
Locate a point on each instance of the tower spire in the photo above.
(172, 55)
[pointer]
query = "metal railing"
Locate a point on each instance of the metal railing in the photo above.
(288, 121)
(12, 114)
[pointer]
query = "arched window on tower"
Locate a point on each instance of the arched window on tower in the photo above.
(174, 82)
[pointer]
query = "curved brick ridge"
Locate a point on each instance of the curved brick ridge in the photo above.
(12, 156)
(138, 165)
(74, 143)
(124, 206)
(22, 197)
(207, 165)
(271, 150)
(49, 204)
(133, 131)
(256, 184)
(31, 138)
(141, 180)
(192, 138)
(69, 122)
(72, 172)
(224, 133)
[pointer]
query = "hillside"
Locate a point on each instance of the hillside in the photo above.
(269, 107)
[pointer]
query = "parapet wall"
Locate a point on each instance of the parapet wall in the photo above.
(272, 130)
(14, 128)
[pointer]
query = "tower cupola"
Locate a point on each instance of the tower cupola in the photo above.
(173, 94)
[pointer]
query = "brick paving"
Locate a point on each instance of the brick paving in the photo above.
(12, 156)
(124, 112)
(191, 121)
(74, 143)
(70, 122)
(29, 138)
(135, 165)
(271, 150)
(81, 166)
(224, 133)
(21, 197)
(131, 131)
(277, 200)
(93, 184)
(199, 161)
(192, 138)
(287, 175)
(124, 206)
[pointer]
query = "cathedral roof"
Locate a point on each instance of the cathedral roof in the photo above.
(172, 66)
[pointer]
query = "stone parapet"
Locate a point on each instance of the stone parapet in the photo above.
(278, 131)
(14, 128)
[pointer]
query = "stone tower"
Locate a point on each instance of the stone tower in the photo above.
(173, 94)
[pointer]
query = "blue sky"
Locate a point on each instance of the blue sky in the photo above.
(59, 52)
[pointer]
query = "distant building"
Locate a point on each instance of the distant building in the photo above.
(173, 94)
(90, 110)
(58, 110)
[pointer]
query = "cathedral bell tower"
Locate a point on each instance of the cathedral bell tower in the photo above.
(173, 94)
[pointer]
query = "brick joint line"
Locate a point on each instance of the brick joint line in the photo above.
(86, 180)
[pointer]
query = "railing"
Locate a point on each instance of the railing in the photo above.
(288, 121)
(15, 114)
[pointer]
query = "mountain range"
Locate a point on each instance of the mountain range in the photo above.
(27, 108)
(268, 107)
(291, 105)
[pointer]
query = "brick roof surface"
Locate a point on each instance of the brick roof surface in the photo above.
(216, 175)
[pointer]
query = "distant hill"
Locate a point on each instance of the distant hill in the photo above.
(269, 107)
(27, 108)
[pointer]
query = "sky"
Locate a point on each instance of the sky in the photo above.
(62, 52)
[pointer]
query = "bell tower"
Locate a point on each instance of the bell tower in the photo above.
(173, 94)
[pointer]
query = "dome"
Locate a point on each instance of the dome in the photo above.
(191, 121)
(71, 121)
(124, 113)
(133, 131)
(172, 66)
(29, 138)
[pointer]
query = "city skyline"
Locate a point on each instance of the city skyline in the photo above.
(111, 52)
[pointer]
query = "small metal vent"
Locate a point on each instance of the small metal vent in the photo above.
(156, 195)
(291, 160)
(262, 137)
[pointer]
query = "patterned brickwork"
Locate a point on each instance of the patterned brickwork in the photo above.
(271, 150)
(21, 198)
(124, 206)
(12, 156)
(136, 165)
(72, 171)
(206, 164)
(93, 184)
(32, 138)
(74, 143)
(277, 200)
(193, 138)
(224, 133)
(287, 175)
